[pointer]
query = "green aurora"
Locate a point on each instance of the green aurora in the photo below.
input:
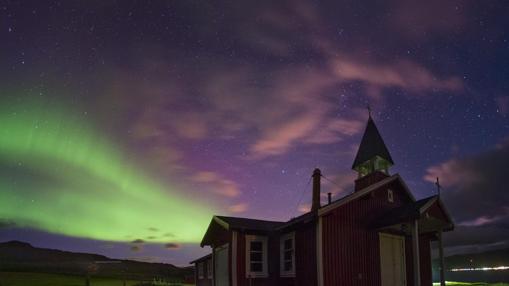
(64, 178)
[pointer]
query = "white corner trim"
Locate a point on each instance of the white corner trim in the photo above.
(319, 251)
(234, 258)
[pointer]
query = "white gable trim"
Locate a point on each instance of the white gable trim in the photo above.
(363, 192)
(442, 207)
(427, 205)
(221, 222)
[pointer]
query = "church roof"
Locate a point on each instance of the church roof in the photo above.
(372, 145)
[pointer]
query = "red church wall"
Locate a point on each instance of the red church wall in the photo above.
(436, 211)
(424, 261)
(350, 245)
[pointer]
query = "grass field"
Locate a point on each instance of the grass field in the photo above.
(42, 279)
(471, 284)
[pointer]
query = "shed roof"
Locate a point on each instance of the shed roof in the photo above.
(412, 211)
(403, 213)
(250, 224)
(208, 256)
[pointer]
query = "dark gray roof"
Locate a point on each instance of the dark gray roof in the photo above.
(201, 258)
(404, 213)
(302, 218)
(251, 224)
(371, 145)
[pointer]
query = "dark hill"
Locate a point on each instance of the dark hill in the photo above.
(21, 256)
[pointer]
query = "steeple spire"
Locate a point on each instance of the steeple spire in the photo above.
(372, 155)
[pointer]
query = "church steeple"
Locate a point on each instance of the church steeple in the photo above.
(372, 155)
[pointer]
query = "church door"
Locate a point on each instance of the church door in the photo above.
(392, 260)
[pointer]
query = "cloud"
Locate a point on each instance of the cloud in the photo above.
(475, 195)
(279, 106)
(238, 208)
(169, 234)
(172, 246)
(138, 241)
(402, 74)
(482, 220)
(217, 183)
(7, 223)
(340, 184)
(475, 181)
(279, 139)
(304, 208)
(420, 19)
(453, 173)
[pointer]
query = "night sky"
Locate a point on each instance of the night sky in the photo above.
(125, 125)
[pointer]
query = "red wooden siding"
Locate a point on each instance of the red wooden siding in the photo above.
(205, 281)
(305, 257)
(273, 265)
(424, 260)
(305, 260)
(350, 247)
(436, 211)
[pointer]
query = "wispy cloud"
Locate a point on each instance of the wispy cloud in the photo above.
(238, 208)
(476, 179)
(172, 246)
(217, 183)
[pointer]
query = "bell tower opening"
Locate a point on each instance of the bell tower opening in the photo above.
(373, 160)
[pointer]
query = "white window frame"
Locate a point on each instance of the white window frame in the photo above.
(201, 269)
(291, 272)
(263, 240)
(209, 268)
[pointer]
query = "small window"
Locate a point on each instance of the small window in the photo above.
(256, 256)
(200, 270)
(390, 196)
(287, 255)
(209, 269)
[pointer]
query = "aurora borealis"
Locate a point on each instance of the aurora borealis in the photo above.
(125, 125)
(87, 190)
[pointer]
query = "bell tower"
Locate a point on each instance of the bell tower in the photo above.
(373, 159)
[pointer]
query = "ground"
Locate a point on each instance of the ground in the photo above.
(471, 284)
(42, 279)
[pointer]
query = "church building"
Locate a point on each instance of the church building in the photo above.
(379, 234)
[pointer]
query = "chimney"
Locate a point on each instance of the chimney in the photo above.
(329, 198)
(316, 190)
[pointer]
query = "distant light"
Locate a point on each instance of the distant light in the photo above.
(481, 268)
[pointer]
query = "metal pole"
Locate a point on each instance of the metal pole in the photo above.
(441, 255)
(415, 244)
